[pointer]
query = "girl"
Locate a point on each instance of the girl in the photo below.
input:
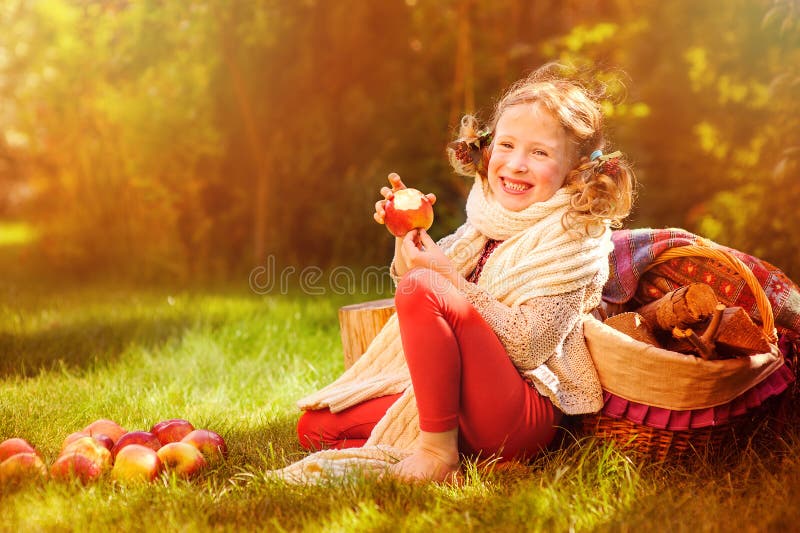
(489, 318)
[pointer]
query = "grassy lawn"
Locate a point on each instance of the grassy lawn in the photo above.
(235, 363)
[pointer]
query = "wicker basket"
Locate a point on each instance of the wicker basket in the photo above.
(662, 444)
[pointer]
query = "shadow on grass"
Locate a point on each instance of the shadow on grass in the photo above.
(86, 343)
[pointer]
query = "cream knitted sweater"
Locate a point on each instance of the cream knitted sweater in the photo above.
(533, 290)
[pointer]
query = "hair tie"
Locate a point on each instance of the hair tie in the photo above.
(609, 164)
(595, 155)
(471, 152)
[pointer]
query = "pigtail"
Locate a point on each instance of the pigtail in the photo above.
(602, 193)
(469, 153)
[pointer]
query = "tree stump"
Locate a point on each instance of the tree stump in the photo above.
(360, 323)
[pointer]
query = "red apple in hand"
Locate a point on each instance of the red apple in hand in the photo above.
(407, 209)
(144, 438)
(211, 444)
(136, 462)
(14, 446)
(22, 466)
(172, 430)
(181, 458)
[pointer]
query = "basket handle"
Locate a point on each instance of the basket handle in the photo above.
(726, 258)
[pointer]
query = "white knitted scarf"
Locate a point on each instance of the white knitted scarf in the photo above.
(537, 257)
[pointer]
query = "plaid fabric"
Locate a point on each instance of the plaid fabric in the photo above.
(634, 251)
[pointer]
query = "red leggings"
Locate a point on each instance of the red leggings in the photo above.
(462, 378)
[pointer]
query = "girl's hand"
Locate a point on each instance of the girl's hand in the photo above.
(387, 193)
(419, 250)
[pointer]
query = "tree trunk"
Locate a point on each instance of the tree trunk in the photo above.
(255, 144)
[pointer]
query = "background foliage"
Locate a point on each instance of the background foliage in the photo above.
(183, 141)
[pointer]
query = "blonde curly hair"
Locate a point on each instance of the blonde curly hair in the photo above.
(602, 189)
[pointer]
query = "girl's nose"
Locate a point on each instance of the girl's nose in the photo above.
(516, 163)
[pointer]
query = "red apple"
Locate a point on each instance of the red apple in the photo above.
(14, 446)
(90, 448)
(78, 466)
(105, 427)
(172, 430)
(407, 209)
(22, 466)
(181, 458)
(136, 462)
(104, 440)
(144, 438)
(72, 437)
(211, 444)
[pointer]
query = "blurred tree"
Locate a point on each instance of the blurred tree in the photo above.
(194, 139)
(757, 137)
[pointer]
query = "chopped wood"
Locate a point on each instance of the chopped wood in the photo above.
(737, 334)
(360, 323)
(688, 342)
(705, 351)
(633, 325)
(681, 308)
(733, 335)
(710, 334)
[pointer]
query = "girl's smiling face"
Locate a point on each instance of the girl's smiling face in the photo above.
(530, 157)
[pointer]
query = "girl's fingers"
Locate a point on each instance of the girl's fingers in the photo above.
(431, 198)
(410, 242)
(380, 212)
(396, 182)
(425, 239)
(386, 192)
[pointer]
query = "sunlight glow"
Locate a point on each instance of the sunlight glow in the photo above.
(17, 233)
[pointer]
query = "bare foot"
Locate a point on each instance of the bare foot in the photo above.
(426, 465)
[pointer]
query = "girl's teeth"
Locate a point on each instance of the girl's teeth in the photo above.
(515, 186)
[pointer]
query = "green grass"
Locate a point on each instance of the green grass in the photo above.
(235, 363)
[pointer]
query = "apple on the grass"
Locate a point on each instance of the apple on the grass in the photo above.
(90, 448)
(105, 427)
(72, 437)
(85, 458)
(407, 209)
(22, 466)
(136, 462)
(101, 438)
(14, 446)
(144, 438)
(76, 465)
(172, 430)
(181, 458)
(211, 444)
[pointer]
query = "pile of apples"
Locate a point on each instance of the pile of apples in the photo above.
(104, 446)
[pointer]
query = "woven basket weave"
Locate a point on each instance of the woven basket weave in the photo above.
(662, 444)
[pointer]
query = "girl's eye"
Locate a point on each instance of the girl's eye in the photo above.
(506, 145)
(540, 153)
